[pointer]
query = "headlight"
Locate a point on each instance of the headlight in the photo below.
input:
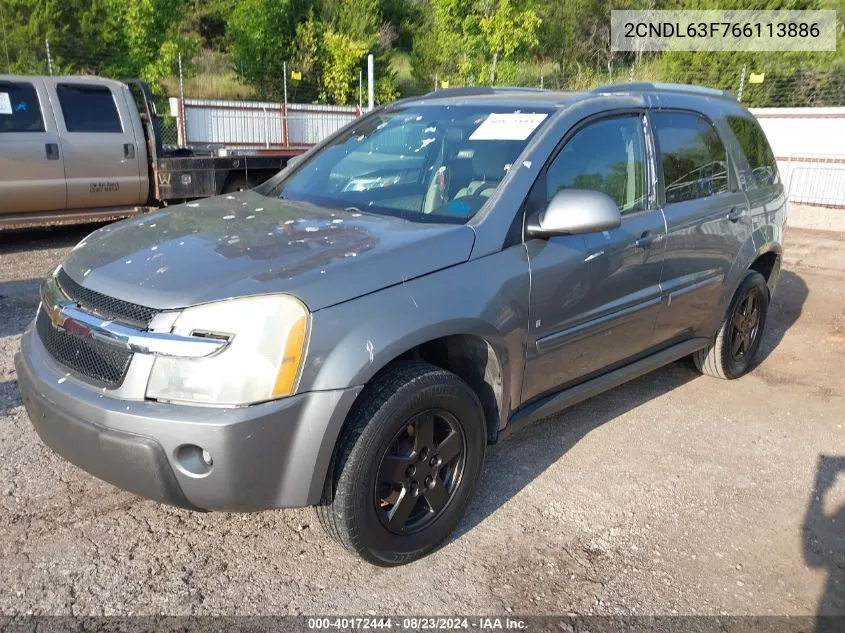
(268, 336)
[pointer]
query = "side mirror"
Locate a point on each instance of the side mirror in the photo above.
(576, 211)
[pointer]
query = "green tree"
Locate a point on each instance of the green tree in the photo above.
(153, 40)
(507, 29)
(464, 41)
(261, 33)
(343, 57)
(207, 19)
(357, 19)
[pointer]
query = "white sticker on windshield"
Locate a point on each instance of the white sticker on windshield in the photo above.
(509, 126)
(5, 103)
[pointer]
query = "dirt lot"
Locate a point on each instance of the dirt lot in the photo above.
(672, 494)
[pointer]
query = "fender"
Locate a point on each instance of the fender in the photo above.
(352, 341)
(486, 297)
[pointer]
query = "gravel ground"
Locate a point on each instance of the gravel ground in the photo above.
(673, 494)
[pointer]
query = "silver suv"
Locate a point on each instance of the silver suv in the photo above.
(354, 332)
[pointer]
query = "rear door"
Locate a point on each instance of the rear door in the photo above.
(707, 221)
(595, 298)
(100, 149)
(32, 176)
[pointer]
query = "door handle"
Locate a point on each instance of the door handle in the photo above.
(52, 151)
(735, 214)
(647, 239)
(128, 150)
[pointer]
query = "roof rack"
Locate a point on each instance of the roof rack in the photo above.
(648, 87)
(444, 93)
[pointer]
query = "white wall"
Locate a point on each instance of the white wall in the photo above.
(807, 131)
(809, 144)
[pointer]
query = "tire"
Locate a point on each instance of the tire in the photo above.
(378, 439)
(719, 359)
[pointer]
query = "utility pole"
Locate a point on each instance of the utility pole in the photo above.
(285, 82)
(371, 89)
(183, 125)
(49, 56)
(360, 89)
(285, 120)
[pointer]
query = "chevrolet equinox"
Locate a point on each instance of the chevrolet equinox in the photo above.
(353, 333)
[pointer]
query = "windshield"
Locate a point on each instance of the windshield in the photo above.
(421, 163)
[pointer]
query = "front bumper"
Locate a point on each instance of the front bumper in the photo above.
(270, 455)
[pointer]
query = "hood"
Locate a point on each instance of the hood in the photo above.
(248, 244)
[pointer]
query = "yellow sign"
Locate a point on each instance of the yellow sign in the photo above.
(756, 78)
(444, 83)
(295, 74)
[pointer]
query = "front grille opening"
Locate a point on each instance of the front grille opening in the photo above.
(105, 306)
(102, 364)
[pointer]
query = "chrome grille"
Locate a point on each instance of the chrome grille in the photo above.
(102, 364)
(105, 306)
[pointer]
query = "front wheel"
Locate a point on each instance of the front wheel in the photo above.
(738, 339)
(407, 465)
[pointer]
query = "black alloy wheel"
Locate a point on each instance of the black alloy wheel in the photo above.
(407, 464)
(736, 342)
(420, 472)
(745, 326)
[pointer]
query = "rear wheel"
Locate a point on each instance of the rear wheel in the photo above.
(407, 465)
(738, 339)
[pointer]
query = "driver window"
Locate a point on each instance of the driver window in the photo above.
(606, 156)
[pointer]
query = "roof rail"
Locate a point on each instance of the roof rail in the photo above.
(647, 87)
(469, 91)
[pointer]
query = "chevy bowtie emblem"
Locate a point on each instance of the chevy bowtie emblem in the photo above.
(71, 326)
(57, 317)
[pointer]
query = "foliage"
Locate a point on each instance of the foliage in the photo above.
(261, 34)
(505, 29)
(106, 37)
(238, 48)
(343, 56)
(463, 41)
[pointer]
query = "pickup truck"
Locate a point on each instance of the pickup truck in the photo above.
(87, 148)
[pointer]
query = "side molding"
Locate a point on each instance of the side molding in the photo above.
(568, 397)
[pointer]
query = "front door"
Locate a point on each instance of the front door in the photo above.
(707, 220)
(595, 298)
(101, 152)
(32, 176)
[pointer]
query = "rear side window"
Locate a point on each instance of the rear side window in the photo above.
(19, 108)
(88, 108)
(761, 159)
(606, 156)
(694, 159)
